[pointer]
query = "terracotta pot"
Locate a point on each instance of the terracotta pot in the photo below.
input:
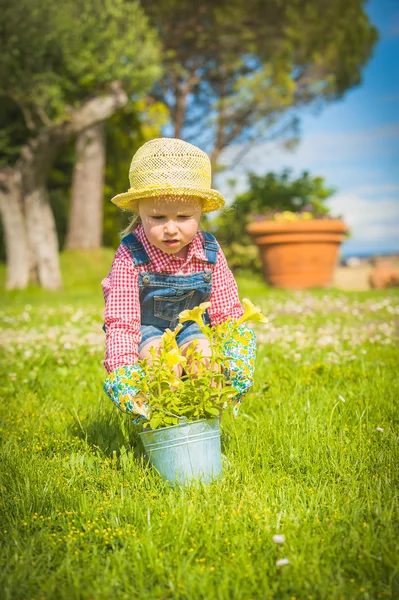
(298, 254)
(383, 275)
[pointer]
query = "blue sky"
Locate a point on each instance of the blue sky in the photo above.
(353, 143)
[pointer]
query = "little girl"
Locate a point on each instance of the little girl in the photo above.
(165, 265)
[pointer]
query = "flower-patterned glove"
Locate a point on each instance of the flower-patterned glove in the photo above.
(239, 365)
(123, 387)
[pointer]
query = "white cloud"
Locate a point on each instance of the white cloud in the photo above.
(377, 190)
(317, 148)
(361, 164)
(368, 220)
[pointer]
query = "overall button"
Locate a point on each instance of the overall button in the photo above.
(146, 279)
(207, 275)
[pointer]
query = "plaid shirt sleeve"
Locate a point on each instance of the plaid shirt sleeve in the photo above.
(122, 314)
(224, 296)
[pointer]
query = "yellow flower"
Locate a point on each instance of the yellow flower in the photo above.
(170, 336)
(252, 313)
(195, 314)
(173, 358)
(286, 215)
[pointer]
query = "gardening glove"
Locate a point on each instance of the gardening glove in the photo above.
(239, 364)
(123, 387)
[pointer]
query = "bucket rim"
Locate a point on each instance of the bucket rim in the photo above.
(178, 425)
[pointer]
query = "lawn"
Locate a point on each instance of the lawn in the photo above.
(312, 457)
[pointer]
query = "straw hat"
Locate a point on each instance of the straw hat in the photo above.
(170, 167)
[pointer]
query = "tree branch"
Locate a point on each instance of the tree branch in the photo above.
(42, 148)
(29, 122)
(93, 111)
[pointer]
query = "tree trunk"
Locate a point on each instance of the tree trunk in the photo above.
(34, 164)
(42, 236)
(180, 108)
(15, 235)
(86, 217)
(24, 208)
(29, 227)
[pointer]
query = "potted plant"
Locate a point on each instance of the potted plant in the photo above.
(287, 218)
(299, 250)
(181, 435)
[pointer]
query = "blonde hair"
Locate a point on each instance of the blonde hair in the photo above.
(133, 222)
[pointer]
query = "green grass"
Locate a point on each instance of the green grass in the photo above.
(83, 516)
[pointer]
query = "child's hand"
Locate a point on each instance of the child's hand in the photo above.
(124, 389)
(240, 362)
(140, 407)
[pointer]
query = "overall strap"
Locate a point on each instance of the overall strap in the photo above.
(136, 249)
(211, 247)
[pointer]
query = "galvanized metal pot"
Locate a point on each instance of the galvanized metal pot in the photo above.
(185, 452)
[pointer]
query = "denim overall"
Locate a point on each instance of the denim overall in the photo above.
(164, 296)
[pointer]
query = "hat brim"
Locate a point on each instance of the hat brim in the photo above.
(211, 199)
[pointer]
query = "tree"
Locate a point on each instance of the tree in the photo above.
(85, 223)
(265, 194)
(29, 227)
(131, 126)
(237, 70)
(65, 68)
(126, 131)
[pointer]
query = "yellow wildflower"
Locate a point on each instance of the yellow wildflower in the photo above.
(286, 215)
(195, 314)
(251, 313)
(173, 358)
(169, 336)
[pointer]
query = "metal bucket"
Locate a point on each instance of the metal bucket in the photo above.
(186, 451)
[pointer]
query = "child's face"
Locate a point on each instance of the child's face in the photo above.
(170, 224)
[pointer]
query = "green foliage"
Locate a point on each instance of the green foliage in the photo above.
(199, 394)
(202, 392)
(283, 192)
(266, 193)
(55, 55)
(84, 516)
(235, 69)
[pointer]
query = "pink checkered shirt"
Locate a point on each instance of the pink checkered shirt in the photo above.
(121, 294)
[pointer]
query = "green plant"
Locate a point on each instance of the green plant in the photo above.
(277, 196)
(203, 391)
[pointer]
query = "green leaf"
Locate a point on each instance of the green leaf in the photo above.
(213, 411)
